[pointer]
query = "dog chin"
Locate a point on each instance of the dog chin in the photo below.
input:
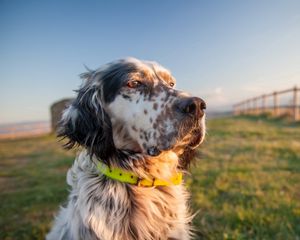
(153, 151)
(157, 150)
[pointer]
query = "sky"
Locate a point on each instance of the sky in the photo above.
(221, 51)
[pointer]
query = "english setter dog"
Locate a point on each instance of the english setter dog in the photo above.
(137, 135)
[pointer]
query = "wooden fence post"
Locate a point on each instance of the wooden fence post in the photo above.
(295, 107)
(263, 103)
(250, 107)
(242, 108)
(255, 106)
(236, 109)
(275, 111)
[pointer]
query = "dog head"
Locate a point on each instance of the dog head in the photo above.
(132, 106)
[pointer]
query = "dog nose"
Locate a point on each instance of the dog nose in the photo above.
(192, 106)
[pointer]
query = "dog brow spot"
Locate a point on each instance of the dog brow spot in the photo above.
(125, 96)
(146, 136)
(155, 106)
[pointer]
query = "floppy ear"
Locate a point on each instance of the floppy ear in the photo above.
(85, 123)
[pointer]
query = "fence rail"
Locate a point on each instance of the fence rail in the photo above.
(270, 103)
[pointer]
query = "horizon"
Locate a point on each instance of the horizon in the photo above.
(223, 52)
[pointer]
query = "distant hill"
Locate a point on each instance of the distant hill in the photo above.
(24, 129)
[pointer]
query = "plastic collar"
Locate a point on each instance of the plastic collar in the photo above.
(124, 176)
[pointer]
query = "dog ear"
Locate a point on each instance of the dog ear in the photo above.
(85, 123)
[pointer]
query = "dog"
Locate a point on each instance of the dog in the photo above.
(137, 135)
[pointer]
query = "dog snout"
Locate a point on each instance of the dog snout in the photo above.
(192, 106)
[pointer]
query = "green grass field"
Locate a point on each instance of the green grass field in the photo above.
(245, 183)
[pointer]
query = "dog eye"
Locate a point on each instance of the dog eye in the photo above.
(134, 84)
(172, 84)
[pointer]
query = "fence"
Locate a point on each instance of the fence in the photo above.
(270, 103)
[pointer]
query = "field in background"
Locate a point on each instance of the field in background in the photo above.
(24, 129)
(245, 185)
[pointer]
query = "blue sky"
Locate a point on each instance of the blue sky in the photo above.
(222, 51)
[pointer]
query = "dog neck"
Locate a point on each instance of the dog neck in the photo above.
(163, 166)
(113, 210)
(128, 177)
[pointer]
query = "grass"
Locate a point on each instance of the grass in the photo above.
(245, 183)
(32, 185)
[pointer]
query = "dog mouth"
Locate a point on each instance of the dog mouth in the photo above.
(192, 140)
(166, 143)
(185, 133)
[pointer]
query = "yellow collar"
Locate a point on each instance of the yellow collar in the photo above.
(129, 177)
